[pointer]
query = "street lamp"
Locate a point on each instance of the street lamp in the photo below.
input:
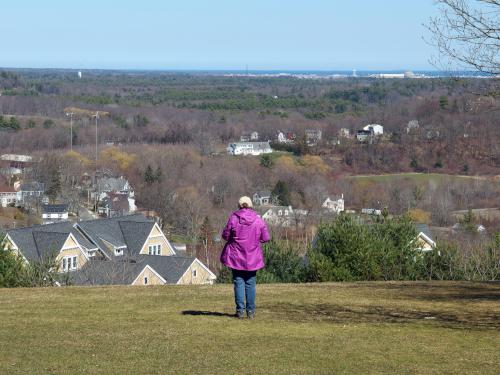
(70, 114)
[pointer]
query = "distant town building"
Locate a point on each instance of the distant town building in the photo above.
(313, 136)
(371, 211)
(249, 137)
(364, 135)
(30, 190)
(262, 198)
(249, 148)
(8, 195)
(284, 216)
(286, 137)
(54, 213)
(344, 133)
(334, 205)
(412, 126)
(12, 164)
(375, 128)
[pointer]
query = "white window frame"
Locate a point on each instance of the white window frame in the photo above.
(154, 249)
(69, 263)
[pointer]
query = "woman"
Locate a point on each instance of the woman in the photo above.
(244, 232)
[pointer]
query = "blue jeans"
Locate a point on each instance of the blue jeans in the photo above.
(244, 285)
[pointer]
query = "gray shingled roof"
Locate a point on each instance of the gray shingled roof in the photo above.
(54, 208)
(130, 231)
(99, 272)
(424, 228)
(39, 241)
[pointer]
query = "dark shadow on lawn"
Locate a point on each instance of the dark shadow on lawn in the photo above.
(206, 313)
(438, 290)
(379, 314)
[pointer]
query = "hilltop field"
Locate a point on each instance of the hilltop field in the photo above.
(331, 328)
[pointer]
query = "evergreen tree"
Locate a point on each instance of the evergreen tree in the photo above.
(158, 175)
(149, 176)
(266, 161)
(443, 102)
(280, 195)
(54, 185)
(14, 123)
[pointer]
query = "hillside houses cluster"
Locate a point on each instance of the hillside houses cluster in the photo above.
(287, 216)
(130, 250)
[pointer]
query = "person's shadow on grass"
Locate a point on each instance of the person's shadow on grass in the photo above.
(206, 313)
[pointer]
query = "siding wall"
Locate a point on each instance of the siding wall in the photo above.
(157, 238)
(152, 278)
(202, 276)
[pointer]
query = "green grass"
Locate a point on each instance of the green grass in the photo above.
(344, 328)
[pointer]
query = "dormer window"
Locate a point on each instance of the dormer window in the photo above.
(154, 249)
(118, 252)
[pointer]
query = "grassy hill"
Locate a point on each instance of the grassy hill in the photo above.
(355, 328)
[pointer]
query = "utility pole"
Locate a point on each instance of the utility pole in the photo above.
(96, 118)
(70, 114)
(96, 201)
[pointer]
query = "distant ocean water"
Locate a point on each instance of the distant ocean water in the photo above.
(344, 73)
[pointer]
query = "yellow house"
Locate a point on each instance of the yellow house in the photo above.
(129, 250)
(36, 244)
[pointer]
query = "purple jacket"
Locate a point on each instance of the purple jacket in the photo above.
(244, 232)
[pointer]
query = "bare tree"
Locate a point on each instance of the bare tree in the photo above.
(467, 33)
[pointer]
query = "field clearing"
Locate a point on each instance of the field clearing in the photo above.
(351, 328)
(419, 177)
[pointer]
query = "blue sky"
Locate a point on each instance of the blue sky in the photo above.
(216, 34)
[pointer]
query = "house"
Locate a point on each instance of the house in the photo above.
(249, 148)
(128, 250)
(12, 164)
(262, 198)
(53, 213)
(412, 126)
(114, 185)
(286, 137)
(344, 133)
(114, 204)
(425, 239)
(8, 195)
(283, 216)
(249, 137)
(335, 205)
(371, 211)
(313, 136)
(30, 190)
(364, 135)
(376, 129)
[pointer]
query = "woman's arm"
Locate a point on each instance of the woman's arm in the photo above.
(226, 232)
(264, 233)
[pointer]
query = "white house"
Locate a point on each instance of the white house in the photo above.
(424, 238)
(261, 198)
(249, 148)
(413, 125)
(344, 133)
(334, 205)
(54, 213)
(284, 216)
(375, 128)
(249, 137)
(8, 195)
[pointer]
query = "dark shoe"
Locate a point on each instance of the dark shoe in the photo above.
(240, 314)
(251, 314)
